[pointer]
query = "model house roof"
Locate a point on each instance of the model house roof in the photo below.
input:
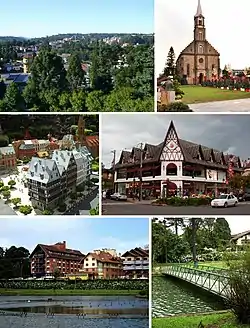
(43, 170)
(192, 152)
(62, 158)
(137, 252)
(8, 150)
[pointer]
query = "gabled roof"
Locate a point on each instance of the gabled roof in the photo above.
(190, 150)
(137, 252)
(104, 257)
(55, 251)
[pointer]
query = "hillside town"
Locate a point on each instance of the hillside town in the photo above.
(50, 175)
(91, 67)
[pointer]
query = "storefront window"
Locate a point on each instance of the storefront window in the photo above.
(171, 169)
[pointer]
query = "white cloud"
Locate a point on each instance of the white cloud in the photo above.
(226, 29)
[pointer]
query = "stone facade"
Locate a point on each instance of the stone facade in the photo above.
(199, 61)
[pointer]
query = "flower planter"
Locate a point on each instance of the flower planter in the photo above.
(228, 88)
(235, 89)
(242, 89)
(222, 88)
(247, 90)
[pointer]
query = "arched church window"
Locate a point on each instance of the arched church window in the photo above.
(200, 36)
(201, 49)
(200, 22)
(188, 69)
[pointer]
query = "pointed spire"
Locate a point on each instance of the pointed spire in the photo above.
(199, 10)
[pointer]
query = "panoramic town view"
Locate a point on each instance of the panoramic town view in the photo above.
(49, 164)
(181, 165)
(90, 70)
(200, 271)
(192, 73)
(79, 273)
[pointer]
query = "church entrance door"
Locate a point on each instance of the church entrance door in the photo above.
(201, 77)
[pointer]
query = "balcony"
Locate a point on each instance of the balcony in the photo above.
(141, 262)
(135, 267)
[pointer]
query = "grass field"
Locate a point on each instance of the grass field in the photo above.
(197, 94)
(73, 292)
(223, 320)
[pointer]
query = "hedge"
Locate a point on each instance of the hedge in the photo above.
(123, 284)
(180, 201)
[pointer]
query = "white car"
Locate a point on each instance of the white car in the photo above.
(118, 196)
(224, 200)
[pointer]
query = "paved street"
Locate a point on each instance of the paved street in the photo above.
(84, 206)
(237, 105)
(119, 208)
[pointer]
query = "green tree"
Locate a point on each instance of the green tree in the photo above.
(75, 73)
(95, 101)
(6, 194)
(56, 273)
(12, 183)
(25, 209)
(13, 99)
(16, 201)
(4, 140)
(2, 89)
(78, 101)
(169, 69)
(222, 232)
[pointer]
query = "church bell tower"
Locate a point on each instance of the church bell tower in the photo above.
(199, 24)
(81, 132)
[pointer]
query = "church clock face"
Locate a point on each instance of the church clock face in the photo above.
(201, 60)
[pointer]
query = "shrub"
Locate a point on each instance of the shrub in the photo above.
(62, 207)
(238, 292)
(4, 140)
(180, 201)
(47, 212)
(175, 107)
(12, 183)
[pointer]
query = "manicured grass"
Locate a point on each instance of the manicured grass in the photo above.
(223, 320)
(197, 94)
(51, 292)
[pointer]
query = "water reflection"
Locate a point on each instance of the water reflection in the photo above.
(172, 296)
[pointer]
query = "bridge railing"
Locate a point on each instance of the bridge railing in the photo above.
(212, 279)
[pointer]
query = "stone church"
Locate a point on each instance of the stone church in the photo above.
(199, 61)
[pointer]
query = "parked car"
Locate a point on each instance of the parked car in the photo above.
(224, 200)
(118, 196)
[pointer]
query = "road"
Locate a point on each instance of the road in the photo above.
(121, 208)
(84, 206)
(237, 105)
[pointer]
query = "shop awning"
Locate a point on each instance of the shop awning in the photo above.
(170, 185)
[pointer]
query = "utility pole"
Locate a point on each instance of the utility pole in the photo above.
(140, 195)
(113, 168)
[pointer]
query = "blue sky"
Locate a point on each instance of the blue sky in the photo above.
(84, 234)
(31, 18)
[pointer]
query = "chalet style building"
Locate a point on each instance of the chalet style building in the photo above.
(136, 263)
(175, 166)
(199, 61)
(241, 239)
(103, 264)
(46, 258)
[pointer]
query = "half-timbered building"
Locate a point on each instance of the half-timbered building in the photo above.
(174, 166)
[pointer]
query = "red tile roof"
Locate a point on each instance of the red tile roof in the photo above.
(105, 257)
(137, 252)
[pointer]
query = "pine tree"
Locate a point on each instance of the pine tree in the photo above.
(170, 63)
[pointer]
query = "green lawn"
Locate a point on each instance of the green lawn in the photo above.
(222, 320)
(65, 292)
(197, 94)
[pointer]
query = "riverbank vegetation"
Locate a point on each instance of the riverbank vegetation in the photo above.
(221, 320)
(70, 292)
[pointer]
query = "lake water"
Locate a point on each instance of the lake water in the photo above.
(73, 312)
(173, 296)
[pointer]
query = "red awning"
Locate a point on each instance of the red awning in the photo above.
(171, 185)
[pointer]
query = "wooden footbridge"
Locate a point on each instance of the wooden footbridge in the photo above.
(212, 279)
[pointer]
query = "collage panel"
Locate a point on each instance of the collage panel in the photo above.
(198, 68)
(49, 164)
(200, 272)
(89, 272)
(178, 165)
(105, 64)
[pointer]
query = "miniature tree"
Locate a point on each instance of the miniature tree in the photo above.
(25, 209)
(6, 194)
(12, 183)
(1, 184)
(5, 188)
(16, 201)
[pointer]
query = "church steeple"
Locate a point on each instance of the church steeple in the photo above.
(81, 130)
(199, 10)
(199, 24)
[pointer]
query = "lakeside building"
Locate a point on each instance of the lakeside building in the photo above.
(103, 264)
(45, 259)
(136, 263)
(174, 166)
